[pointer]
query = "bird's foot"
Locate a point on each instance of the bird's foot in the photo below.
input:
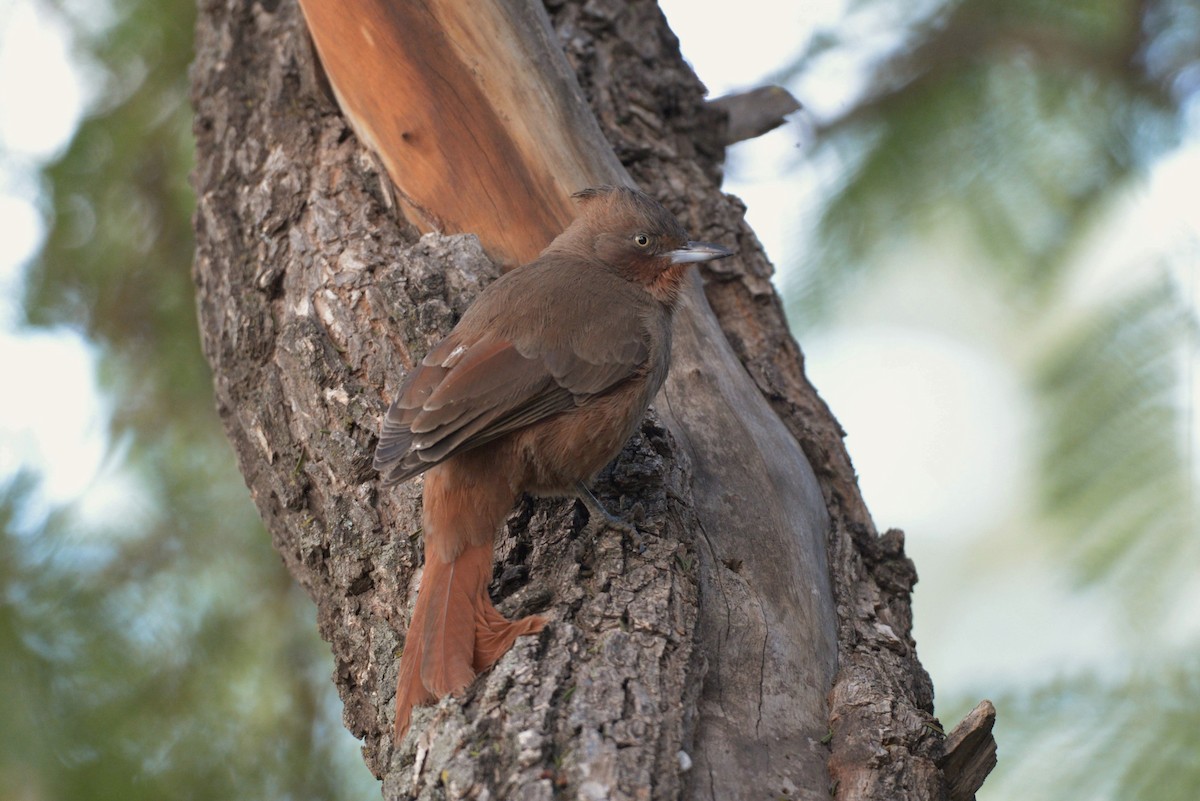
(600, 519)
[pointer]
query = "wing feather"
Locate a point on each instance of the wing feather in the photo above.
(579, 343)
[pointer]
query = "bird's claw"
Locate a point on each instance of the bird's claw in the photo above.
(600, 519)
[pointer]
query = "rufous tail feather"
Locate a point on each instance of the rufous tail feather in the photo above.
(455, 631)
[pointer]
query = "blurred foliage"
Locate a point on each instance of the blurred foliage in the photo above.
(1114, 443)
(154, 648)
(1021, 127)
(1021, 124)
(116, 263)
(1018, 119)
(1127, 737)
(160, 658)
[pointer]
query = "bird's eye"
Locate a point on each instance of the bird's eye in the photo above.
(641, 240)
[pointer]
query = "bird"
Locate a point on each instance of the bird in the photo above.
(538, 387)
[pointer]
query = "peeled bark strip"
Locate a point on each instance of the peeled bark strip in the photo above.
(712, 636)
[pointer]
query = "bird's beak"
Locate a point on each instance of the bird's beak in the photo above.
(698, 251)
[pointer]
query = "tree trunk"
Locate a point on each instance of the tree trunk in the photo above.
(324, 271)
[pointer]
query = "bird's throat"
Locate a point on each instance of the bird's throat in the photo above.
(666, 285)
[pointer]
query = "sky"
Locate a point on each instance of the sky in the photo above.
(944, 458)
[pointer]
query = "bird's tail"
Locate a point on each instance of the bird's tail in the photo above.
(455, 631)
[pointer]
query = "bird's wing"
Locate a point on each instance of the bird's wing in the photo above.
(463, 395)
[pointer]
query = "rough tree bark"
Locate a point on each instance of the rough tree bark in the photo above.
(712, 640)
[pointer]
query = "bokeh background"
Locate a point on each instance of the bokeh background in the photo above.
(987, 228)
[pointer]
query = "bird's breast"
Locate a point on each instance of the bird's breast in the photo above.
(575, 445)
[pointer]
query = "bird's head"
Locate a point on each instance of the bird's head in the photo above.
(631, 233)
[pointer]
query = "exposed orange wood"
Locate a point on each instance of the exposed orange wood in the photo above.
(477, 132)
